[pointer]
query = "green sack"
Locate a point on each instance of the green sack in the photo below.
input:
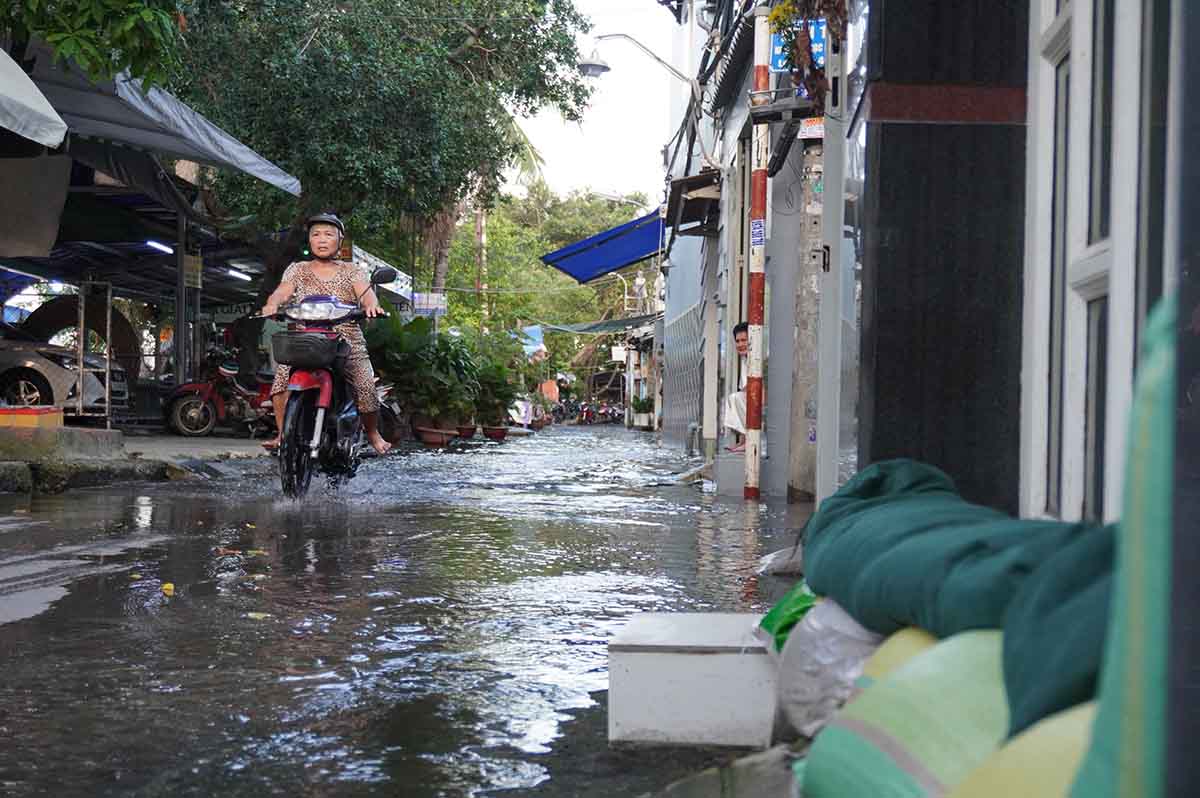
(787, 613)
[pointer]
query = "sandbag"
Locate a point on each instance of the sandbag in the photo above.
(1039, 763)
(919, 731)
(820, 665)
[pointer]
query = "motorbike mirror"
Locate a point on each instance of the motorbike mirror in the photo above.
(384, 275)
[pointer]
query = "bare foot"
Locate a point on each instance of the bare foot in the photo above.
(737, 447)
(379, 444)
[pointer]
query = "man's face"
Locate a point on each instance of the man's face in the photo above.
(742, 342)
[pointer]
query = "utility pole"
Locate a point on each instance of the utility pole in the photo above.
(481, 264)
(760, 146)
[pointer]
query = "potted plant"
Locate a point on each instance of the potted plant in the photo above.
(496, 394)
(435, 375)
(643, 412)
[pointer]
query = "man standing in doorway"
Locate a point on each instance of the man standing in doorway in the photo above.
(735, 405)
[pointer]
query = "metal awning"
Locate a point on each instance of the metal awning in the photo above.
(694, 199)
(734, 62)
(119, 111)
(611, 250)
(606, 327)
(24, 110)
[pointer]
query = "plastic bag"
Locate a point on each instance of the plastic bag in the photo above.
(786, 562)
(822, 659)
(777, 624)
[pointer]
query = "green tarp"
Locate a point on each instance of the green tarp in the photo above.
(897, 546)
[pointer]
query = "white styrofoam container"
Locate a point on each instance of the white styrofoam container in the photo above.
(691, 679)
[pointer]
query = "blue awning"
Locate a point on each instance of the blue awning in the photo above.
(611, 250)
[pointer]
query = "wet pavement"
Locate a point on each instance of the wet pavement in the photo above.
(437, 627)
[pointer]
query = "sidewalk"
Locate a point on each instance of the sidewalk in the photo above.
(178, 449)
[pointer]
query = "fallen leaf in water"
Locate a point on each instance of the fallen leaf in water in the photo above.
(258, 577)
(168, 588)
(221, 551)
(135, 577)
(258, 616)
(256, 553)
(251, 526)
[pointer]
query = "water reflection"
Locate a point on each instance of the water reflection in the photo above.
(417, 630)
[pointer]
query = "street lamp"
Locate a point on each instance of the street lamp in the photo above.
(594, 67)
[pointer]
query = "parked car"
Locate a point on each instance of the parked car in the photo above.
(33, 372)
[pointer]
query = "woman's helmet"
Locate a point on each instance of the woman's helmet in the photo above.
(326, 218)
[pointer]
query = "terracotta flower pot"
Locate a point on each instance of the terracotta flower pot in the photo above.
(435, 438)
(495, 433)
(466, 432)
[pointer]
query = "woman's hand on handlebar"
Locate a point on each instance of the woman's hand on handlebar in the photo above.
(371, 308)
(269, 310)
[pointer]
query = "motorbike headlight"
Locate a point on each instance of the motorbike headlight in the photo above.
(319, 310)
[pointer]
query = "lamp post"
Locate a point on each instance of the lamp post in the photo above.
(594, 67)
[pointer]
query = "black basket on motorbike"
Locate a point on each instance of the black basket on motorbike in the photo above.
(304, 350)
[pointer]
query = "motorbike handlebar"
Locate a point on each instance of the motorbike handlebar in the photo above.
(357, 315)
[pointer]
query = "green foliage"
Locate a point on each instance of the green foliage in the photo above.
(434, 375)
(384, 110)
(642, 404)
(102, 36)
(496, 392)
(525, 291)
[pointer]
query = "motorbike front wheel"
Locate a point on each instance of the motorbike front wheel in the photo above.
(295, 444)
(193, 416)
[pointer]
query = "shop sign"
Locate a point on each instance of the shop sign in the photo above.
(193, 270)
(812, 128)
(816, 35)
(430, 305)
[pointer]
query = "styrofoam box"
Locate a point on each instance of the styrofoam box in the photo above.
(691, 679)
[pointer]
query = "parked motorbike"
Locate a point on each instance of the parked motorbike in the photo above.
(321, 426)
(196, 408)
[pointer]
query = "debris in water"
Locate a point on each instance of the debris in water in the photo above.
(168, 589)
(255, 553)
(221, 551)
(258, 616)
(134, 577)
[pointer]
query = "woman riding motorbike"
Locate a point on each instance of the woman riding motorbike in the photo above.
(326, 276)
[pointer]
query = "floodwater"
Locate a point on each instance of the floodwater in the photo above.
(420, 632)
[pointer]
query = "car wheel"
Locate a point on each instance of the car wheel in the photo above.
(25, 388)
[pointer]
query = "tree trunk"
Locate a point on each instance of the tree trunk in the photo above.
(440, 232)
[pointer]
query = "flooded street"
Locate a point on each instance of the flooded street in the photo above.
(424, 631)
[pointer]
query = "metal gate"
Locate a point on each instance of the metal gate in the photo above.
(683, 375)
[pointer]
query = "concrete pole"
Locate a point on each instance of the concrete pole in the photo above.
(761, 146)
(829, 370)
(481, 264)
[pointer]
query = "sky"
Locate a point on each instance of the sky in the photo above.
(617, 148)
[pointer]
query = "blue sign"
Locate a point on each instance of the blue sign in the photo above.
(816, 35)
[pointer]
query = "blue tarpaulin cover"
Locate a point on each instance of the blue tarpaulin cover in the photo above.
(613, 249)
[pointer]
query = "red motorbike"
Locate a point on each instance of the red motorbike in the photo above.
(321, 426)
(196, 408)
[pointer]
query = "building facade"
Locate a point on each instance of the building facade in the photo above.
(960, 270)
